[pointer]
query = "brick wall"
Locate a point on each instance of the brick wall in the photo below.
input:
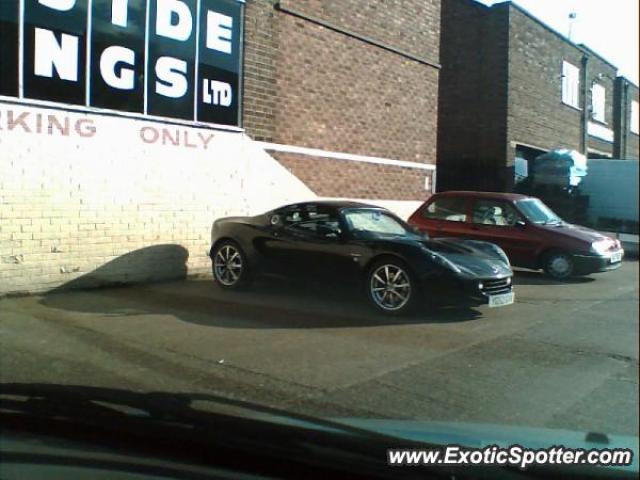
(626, 140)
(313, 86)
(341, 94)
(412, 26)
(473, 96)
(339, 178)
(633, 143)
(259, 84)
(537, 115)
(501, 85)
(600, 72)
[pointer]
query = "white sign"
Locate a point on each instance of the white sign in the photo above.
(600, 131)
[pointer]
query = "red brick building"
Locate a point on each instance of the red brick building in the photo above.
(512, 88)
(345, 94)
(625, 119)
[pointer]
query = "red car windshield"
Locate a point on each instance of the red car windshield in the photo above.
(537, 212)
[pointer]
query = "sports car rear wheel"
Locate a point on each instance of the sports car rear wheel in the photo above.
(391, 287)
(229, 265)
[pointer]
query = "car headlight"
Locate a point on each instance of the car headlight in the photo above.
(601, 247)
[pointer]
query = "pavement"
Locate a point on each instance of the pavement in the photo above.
(564, 356)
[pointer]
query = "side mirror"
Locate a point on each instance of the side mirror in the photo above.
(521, 224)
(276, 221)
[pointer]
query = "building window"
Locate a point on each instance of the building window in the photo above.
(598, 102)
(633, 125)
(570, 84)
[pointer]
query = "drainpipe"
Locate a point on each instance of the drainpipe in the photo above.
(584, 141)
(624, 109)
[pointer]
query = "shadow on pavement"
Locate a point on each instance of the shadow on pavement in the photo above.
(154, 263)
(531, 277)
(269, 303)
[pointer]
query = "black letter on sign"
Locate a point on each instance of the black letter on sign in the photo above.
(218, 86)
(9, 48)
(172, 46)
(54, 50)
(117, 54)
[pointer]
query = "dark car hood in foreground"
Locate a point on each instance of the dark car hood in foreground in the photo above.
(110, 416)
(476, 435)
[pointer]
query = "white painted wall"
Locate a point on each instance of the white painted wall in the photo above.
(108, 202)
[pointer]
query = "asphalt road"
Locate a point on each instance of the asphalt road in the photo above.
(564, 356)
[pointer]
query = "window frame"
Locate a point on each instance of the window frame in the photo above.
(292, 228)
(599, 113)
(570, 84)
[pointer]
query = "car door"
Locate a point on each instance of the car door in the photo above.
(498, 221)
(311, 243)
(444, 216)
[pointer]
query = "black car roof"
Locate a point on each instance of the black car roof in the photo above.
(337, 204)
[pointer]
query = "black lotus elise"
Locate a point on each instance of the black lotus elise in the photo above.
(363, 244)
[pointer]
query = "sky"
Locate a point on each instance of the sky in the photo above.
(608, 27)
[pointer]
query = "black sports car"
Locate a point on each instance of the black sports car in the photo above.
(359, 243)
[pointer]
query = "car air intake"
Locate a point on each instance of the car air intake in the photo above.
(495, 287)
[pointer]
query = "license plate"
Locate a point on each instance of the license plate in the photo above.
(616, 257)
(501, 300)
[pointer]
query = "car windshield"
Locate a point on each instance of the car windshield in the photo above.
(374, 221)
(537, 212)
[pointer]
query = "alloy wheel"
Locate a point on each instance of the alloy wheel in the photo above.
(228, 265)
(390, 287)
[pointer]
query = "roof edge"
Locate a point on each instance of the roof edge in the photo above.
(578, 46)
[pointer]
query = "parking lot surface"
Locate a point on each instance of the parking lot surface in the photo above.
(564, 356)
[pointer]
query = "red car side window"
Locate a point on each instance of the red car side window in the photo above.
(452, 209)
(493, 212)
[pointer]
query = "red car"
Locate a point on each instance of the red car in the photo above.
(531, 234)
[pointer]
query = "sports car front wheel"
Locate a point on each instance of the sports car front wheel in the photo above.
(391, 287)
(229, 265)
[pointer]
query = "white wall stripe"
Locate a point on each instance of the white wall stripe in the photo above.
(316, 152)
